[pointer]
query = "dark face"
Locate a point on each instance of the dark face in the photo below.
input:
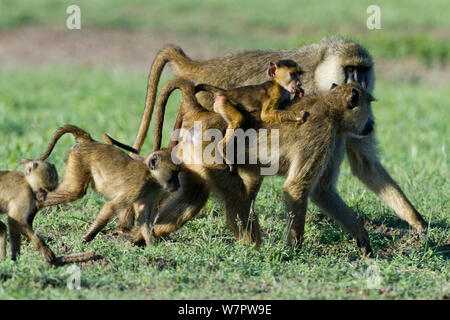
(356, 108)
(174, 182)
(164, 171)
(356, 74)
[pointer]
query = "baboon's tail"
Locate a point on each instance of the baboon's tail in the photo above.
(180, 61)
(178, 123)
(114, 142)
(188, 95)
(207, 87)
(77, 257)
(80, 135)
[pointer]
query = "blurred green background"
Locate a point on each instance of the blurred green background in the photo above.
(409, 28)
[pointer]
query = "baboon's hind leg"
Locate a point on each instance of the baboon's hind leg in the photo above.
(108, 211)
(73, 187)
(126, 219)
(21, 227)
(3, 236)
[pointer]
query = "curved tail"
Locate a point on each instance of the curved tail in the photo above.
(80, 135)
(188, 95)
(179, 60)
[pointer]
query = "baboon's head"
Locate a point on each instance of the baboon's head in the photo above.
(352, 107)
(41, 175)
(164, 170)
(344, 61)
(287, 73)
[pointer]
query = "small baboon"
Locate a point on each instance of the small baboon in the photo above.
(19, 191)
(266, 98)
(330, 61)
(116, 175)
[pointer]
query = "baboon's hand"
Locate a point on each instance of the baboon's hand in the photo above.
(302, 116)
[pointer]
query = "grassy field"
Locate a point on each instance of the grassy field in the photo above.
(202, 260)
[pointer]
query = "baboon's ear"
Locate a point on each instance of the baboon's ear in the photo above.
(354, 99)
(153, 162)
(372, 98)
(272, 69)
(334, 85)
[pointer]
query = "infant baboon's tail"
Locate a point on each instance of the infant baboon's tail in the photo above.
(80, 135)
(207, 87)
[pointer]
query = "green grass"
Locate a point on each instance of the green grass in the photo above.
(202, 260)
(409, 28)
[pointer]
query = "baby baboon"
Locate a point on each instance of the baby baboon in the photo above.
(116, 175)
(18, 195)
(266, 98)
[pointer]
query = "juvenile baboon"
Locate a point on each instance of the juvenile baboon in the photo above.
(116, 175)
(19, 191)
(304, 154)
(266, 98)
(329, 61)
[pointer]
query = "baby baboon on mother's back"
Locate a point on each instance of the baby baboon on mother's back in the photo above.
(116, 175)
(265, 98)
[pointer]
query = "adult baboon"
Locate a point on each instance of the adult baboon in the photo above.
(329, 61)
(304, 154)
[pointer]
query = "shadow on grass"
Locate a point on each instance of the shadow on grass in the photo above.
(444, 251)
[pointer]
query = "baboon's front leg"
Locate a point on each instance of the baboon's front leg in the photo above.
(146, 210)
(270, 114)
(365, 165)
(329, 201)
(108, 211)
